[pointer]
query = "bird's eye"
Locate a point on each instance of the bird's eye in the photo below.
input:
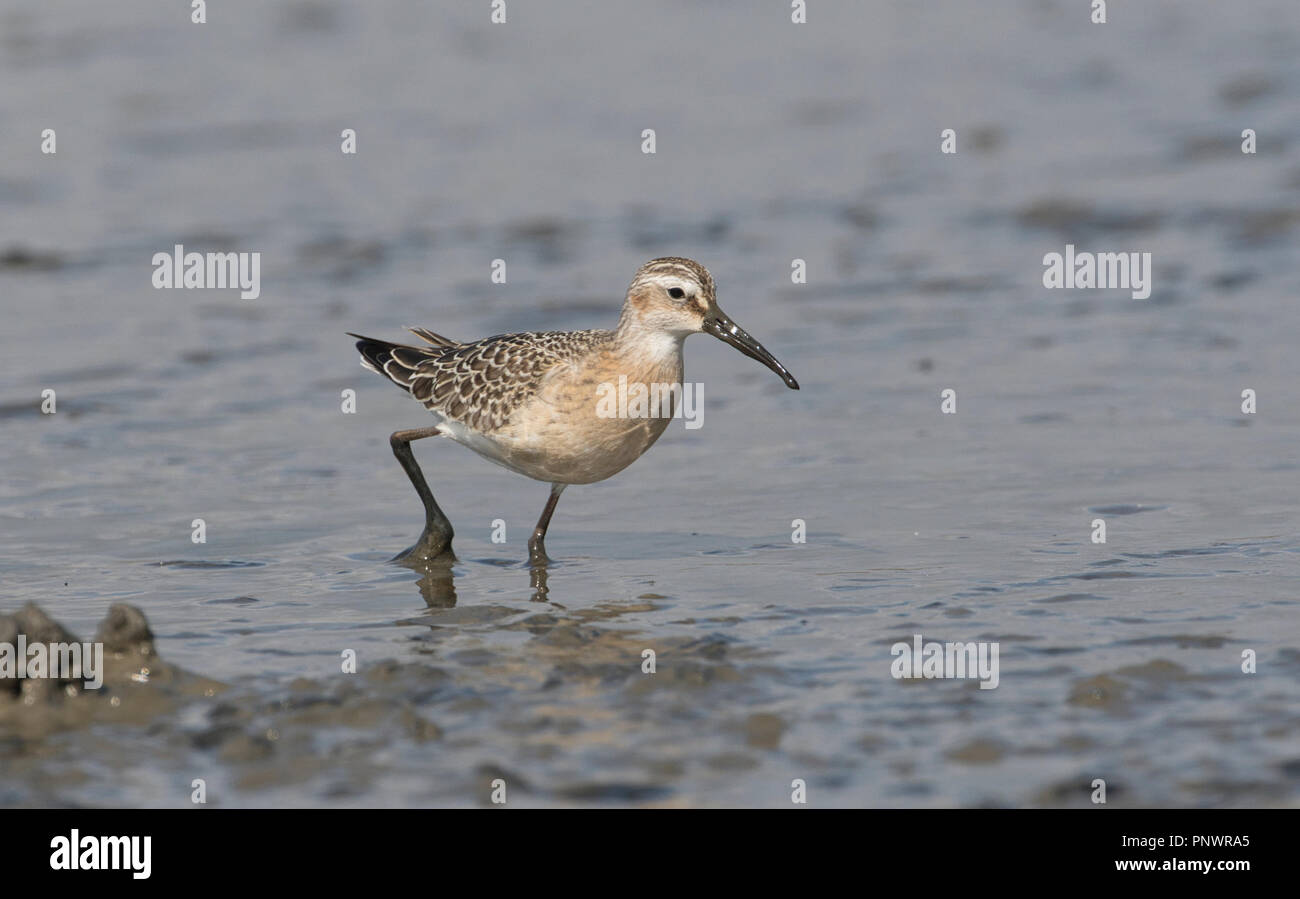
(676, 293)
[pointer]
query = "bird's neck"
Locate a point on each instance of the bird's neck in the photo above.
(633, 336)
(646, 353)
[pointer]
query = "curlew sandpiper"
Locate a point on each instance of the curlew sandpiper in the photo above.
(527, 401)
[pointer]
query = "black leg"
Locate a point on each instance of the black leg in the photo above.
(537, 544)
(435, 541)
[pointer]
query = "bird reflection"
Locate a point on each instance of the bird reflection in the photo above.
(537, 580)
(437, 581)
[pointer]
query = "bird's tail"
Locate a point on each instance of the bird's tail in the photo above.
(382, 357)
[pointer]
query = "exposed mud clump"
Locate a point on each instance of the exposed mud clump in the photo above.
(65, 682)
(333, 733)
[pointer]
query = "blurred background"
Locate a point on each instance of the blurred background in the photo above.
(775, 142)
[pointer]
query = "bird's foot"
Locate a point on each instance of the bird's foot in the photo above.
(434, 545)
(537, 557)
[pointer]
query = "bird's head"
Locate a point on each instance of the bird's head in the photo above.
(676, 296)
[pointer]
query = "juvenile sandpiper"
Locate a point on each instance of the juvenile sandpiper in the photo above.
(528, 401)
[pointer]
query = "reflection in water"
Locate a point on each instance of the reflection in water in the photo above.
(437, 581)
(537, 580)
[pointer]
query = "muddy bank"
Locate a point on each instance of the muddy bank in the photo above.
(194, 726)
(135, 685)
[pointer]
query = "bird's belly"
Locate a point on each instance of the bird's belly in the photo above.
(574, 431)
(574, 450)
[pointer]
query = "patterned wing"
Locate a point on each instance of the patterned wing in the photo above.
(479, 383)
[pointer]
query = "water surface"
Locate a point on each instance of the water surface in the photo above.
(774, 142)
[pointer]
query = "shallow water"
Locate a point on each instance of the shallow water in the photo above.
(1120, 661)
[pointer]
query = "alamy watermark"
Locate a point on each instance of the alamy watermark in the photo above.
(946, 660)
(1129, 271)
(91, 853)
(637, 400)
(56, 661)
(209, 270)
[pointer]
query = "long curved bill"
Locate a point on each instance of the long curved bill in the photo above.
(723, 328)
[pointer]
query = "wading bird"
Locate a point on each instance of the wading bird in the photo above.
(528, 401)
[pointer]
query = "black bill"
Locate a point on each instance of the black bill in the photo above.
(729, 332)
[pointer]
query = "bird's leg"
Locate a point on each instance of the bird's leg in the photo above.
(435, 541)
(537, 543)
